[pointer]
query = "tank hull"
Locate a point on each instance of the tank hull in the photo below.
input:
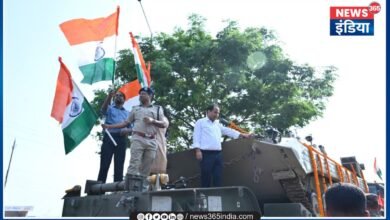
(276, 173)
(251, 163)
(123, 203)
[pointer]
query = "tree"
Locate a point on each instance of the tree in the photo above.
(245, 72)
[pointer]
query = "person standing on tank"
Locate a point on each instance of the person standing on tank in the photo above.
(114, 114)
(207, 144)
(146, 119)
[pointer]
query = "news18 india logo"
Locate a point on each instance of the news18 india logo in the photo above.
(353, 21)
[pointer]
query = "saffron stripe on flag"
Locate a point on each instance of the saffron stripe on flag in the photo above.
(130, 90)
(63, 93)
(82, 30)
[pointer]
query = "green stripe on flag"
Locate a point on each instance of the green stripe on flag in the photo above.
(140, 75)
(379, 173)
(102, 70)
(79, 128)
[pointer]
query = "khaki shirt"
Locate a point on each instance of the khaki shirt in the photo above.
(137, 115)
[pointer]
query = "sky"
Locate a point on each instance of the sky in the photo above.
(353, 123)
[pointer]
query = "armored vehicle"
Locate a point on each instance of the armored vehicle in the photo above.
(277, 173)
(273, 177)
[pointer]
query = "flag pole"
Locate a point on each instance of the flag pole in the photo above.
(9, 164)
(110, 136)
(151, 37)
(115, 48)
(147, 22)
(113, 75)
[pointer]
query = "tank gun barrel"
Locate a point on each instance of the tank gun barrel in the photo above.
(135, 183)
(96, 187)
(131, 183)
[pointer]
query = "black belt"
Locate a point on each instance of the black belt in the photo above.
(115, 135)
(150, 136)
(211, 151)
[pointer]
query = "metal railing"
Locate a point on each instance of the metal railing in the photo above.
(317, 160)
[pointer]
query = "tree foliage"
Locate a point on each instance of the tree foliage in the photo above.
(191, 69)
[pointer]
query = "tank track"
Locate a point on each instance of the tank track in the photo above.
(296, 192)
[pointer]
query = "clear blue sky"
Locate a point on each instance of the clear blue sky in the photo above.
(353, 124)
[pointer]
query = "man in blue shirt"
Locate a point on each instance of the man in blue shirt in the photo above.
(114, 114)
(207, 144)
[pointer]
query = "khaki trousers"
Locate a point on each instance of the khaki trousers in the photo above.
(142, 154)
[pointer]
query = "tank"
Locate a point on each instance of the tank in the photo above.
(262, 176)
(277, 173)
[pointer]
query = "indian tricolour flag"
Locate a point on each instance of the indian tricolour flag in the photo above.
(94, 41)
(72, 110)
(378, 170)
(131, 90)
(143, 73)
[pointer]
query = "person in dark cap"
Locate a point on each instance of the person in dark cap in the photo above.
(146, 119)
(148, 90)
(345, 200)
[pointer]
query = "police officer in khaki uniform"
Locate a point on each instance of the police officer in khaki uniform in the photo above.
(147, 119)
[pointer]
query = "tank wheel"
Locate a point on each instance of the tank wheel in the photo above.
(314, 204)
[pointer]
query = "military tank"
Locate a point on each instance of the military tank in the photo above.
(269, 176)
(280, 174)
